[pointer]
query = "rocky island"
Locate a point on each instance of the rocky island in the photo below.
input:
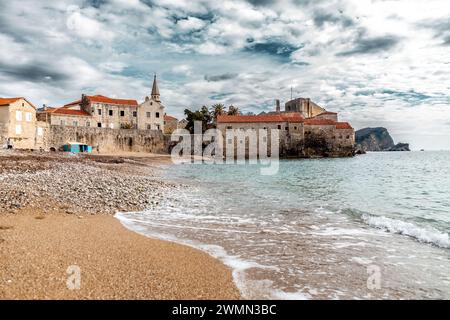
(377, 139)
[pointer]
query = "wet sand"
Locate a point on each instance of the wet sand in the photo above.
(37, 250)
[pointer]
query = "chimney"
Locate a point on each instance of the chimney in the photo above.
(277, 103)
(44, 107)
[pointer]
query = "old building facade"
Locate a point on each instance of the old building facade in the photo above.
(104, 112)
(151, 112)
(299, 135)
(304, 106)
(18, 125)
(170, 124)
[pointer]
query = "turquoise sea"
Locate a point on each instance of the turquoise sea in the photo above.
(371, 227)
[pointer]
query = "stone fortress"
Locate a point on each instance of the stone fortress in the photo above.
(305, 129)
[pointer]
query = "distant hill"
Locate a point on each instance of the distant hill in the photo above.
(377, 139)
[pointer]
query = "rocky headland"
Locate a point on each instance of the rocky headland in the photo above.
(377, 139)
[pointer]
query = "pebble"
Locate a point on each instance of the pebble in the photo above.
(78, 186)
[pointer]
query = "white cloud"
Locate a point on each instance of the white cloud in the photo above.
(182, 69)
(58, 50)
(211, 48)
(190, 24)
(85, 26)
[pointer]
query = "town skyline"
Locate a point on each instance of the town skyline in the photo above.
(386, 66)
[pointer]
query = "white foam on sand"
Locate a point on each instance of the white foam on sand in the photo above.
(421, 234)
(249, 289)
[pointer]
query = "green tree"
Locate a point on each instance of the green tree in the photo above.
(217, 109)
(233, 111)
(202, 115)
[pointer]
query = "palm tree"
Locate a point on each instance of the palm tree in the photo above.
(217, 109)
(233, 111)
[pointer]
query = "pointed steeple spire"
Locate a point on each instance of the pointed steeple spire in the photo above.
(155, 90)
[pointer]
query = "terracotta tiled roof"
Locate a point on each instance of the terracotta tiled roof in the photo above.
(319, 122)
(343, 125)
(69, 112)
(169, 118)
(326, 112)
(103, 99)
(282, 117)
(8, 101)
(72, 104)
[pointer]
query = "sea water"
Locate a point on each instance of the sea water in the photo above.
(371, 227)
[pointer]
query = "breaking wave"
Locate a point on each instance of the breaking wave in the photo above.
(425, 235)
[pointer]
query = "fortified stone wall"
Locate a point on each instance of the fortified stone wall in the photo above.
(109, 140)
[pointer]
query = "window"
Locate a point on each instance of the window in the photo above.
(135, 114)
(149, 126)
(63, 123)
(149, 114)
(93, 110)
(99, 112)
(111, 113)
(295, 128)
(151, 103)
(75, 123)
(88, 124)
(230, 141)
(157, 114)
(348, 137)
(229, 127)
(19, 115)
(28, 116)
(99, 125)
(279, 127)
(122, 113)
(23, 104)
(158, 127)
(18, 129)
(40, 131)
(287, 128)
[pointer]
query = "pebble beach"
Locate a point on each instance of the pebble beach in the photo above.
(57, 212)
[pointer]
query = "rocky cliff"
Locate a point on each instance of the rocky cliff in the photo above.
(400, 147)
(377, 139)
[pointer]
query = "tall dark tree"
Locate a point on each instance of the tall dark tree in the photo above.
(233, 111)
(202, 115)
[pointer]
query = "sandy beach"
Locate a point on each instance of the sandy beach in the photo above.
(46, 231)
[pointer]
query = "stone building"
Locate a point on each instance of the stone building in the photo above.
(18, 126)
(66, 117)
(151, 111)
(170, 124)
(305, 106)
(103, 112)
(94, 111)
(300, 135)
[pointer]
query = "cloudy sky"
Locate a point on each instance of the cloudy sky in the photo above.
(376, 62)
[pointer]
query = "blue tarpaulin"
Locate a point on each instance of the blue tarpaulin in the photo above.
(77, 148)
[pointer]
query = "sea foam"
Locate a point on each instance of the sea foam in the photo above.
(425, 235)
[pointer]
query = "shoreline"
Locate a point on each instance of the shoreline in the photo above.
(41, 238)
